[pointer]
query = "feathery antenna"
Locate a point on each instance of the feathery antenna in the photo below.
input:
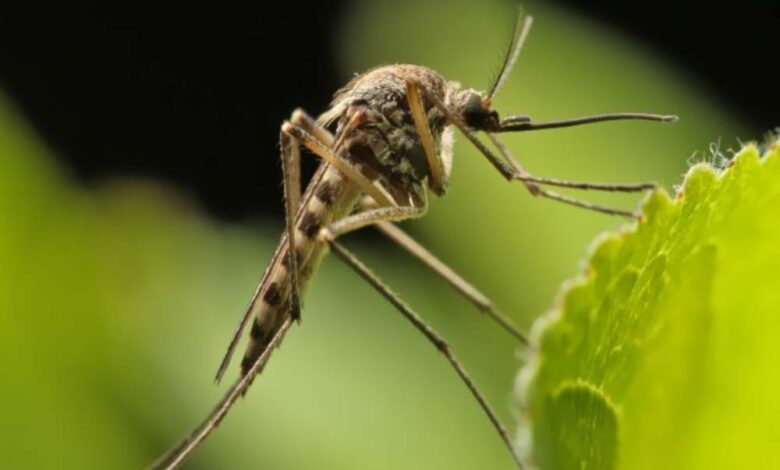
(519, 34)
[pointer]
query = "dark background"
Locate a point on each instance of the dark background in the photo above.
(195, 96)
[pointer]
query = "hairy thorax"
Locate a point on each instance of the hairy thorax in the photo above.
(387, 141)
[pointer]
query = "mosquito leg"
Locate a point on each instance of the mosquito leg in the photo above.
(292, 191)
(429, 333)
(506, 168)
(614, 187)
(176, 456)
(292, 184)
(522, 175)
(588, 205)
(452, 278)
(291, 170)
(532, 184)
(304, 129)
(309, 124)
(345, 166)
(435, 163)
(366, 218)
(301, 119)
(409, 244)
(291, 164)
(406, 242)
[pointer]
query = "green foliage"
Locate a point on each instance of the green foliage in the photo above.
(117, 301)
(663, 353)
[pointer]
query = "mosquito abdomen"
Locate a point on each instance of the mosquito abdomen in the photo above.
(328, 199)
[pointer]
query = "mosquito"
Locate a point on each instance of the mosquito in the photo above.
(391, 144)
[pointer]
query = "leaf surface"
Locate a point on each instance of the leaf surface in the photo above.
(663, 353)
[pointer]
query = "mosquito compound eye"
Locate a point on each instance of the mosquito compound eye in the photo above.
(474, 114)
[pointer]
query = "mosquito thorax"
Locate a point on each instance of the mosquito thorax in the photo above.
(386, 141)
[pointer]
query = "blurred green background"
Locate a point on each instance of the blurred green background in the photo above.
(116, 302)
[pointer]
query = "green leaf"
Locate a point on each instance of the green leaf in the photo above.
(663, 353)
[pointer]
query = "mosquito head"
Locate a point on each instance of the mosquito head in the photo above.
(475, 108)
(477, 113)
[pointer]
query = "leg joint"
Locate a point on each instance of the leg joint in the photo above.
(301, 118)
(442, 345)
(326, 235)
